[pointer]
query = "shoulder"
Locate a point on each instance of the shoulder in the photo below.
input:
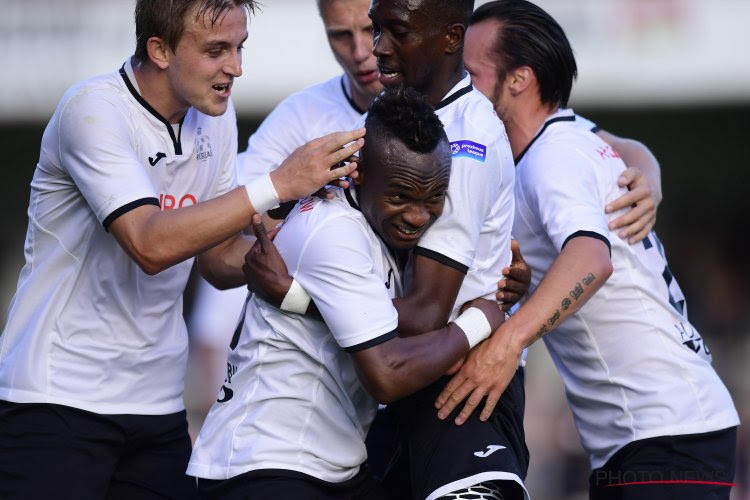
(95, 97)
(318, 96)
(472, 115)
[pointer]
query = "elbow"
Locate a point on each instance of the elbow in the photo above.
(383, 391)
(150, 260)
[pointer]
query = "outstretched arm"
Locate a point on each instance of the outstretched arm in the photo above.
(579, 271)
(157, 239)
(643, 180)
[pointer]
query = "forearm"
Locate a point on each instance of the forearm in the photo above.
(222, 265)
(418, 314)
(579, 271)
(158, 239)
(406, 365)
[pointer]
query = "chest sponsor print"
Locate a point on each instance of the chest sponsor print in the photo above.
(469, 149)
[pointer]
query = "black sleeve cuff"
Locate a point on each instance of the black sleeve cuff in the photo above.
(430, 254)
(281, 212)
(589, 234)
(127, 208)
(372, 342)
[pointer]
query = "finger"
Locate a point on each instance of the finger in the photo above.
(628, 175)
(260, 231)
(455, 398)
(321, 193)
(626, 200)
(343, 171)
(512, 284)
(273, 232)
(489, 405)
(340, 183)
(334, 141)
(471, 403)
(339, 155)
(631, 216)
(451, 386)
(640, 235)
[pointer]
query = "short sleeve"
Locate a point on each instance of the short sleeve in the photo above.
(336, 267)
(97, 150)
(560, 182)
(474, 186)
(586, 124)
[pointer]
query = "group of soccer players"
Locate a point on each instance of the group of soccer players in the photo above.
(372, 291)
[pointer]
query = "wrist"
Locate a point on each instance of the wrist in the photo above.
(296, 299)
(474, 324)
(262, 193)
(277, 180)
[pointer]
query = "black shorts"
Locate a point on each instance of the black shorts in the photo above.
(434, 457)
(689, 467)
(54, 451)
(276, 484)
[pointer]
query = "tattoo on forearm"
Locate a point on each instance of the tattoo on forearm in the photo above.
(577, 291)
(565, 304)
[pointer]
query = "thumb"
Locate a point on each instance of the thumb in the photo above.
(260, 230)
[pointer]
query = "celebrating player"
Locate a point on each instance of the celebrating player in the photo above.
(292, 416)
(136, 176)
(653, 415)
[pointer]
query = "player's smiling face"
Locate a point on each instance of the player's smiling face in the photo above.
(402, 192)
(407, 44)
(349, 33)
(206, 61)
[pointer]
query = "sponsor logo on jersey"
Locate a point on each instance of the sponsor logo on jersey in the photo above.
(203, 149)
(469, 149)
(490, 450)
(390, 275)
(154, 160)
(169, 202)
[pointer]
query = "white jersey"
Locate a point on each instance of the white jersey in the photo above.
(292, 399)
(473, 233)
(87, 328)
(632, 364)
(303, 116)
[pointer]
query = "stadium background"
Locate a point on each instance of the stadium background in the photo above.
(672, 73)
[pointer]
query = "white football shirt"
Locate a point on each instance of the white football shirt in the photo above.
(473, 233)
(292, 399)
(86, 327)
(632, 364)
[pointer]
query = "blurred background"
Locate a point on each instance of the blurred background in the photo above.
(673, 74)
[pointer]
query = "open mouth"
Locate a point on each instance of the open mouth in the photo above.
(222, 88)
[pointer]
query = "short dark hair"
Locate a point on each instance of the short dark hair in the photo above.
(405, 114)
(166, 19)
(528, 36)
(451, 11)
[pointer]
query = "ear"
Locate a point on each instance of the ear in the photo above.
(520, 79)
(158, 52)
(454, 38)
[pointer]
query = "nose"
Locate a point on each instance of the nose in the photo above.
(380, 45)
(233, 66)
(416, 215)
(362, 48)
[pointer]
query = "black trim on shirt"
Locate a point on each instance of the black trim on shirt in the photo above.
(138, 97)
(127, 208)
(349, 98)
(454, 96)
(595, 128)
(372, 342)
(351, 200)
(431, 254)
(550, 122)
(590, 234)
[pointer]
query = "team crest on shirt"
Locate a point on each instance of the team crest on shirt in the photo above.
(469, 149)
(202, 146)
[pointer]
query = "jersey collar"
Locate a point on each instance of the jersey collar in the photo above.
(349, 97)
(462, 88)
(562, 115)
(128, 76)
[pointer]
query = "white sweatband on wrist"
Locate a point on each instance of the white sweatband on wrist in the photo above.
(262, 194)
(296, 299)
(475, 325)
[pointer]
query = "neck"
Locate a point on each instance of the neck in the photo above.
(155, 88)
(441, 86)
(361, 98)
(523, 122)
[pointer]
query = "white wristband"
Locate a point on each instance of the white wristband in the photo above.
(296, 299)
(262, 194)
(475, 325)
